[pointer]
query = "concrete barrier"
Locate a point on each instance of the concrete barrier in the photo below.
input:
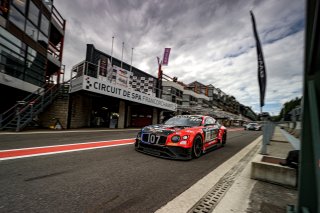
(267, 168)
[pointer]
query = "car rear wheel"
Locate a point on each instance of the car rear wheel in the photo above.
(224, 139)
(197, 147)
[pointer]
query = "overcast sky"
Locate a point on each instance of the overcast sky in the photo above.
(212, 41)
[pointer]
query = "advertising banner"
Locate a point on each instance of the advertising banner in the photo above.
(76, 84)
(166, 54)
(118, 91)
(262, 78)
(123, 76)
(105, 68)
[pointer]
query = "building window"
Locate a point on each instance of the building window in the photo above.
(4, 8)
(92, 70)
(44, 27)
(12, 52)
(17, 18)
(35, 68)
(35, 58)
(173, 99)
(20, 4)
(11, 42)
(43, 40)
(33, 13)
(11, 63)
(31, 31)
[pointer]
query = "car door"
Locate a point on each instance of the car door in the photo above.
(210, 132)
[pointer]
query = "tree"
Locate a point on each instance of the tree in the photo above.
(286, 109)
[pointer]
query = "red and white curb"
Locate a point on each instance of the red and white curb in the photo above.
(48, 150)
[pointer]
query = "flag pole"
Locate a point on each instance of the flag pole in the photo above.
(131, 59)
(112, 49)
(262, 80)
(122, 54)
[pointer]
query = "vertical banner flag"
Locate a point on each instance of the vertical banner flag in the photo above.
(262, 78)
(166, 54)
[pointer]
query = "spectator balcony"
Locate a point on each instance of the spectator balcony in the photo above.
(56, 41)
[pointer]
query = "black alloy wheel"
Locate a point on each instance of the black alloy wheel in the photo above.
(197, 147)
(224, 139)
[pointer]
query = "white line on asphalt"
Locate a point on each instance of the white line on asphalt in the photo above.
(69, 144)
(65, 131)
(52, 153)
(186, 200)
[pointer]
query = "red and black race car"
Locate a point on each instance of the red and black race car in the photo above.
(181, 137)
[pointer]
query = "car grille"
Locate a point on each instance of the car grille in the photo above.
(154, 139)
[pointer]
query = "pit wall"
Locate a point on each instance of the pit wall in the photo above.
(294, 128)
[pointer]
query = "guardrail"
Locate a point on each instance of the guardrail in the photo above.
(268, 130)
(58, 18)
(22, 113)
(290, 130)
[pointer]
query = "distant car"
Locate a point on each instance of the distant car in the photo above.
(181, 137)
(252, 126)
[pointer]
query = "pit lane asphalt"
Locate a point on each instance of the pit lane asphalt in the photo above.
(115, 179)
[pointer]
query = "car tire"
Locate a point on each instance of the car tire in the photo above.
(224, 139)
(197, 147)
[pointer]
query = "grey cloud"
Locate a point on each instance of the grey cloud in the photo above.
(211, 41)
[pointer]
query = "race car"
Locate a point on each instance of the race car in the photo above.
(252, 126)
(181, 137)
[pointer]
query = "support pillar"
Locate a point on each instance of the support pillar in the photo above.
(155, 116)
(122, 114)
(128, 117)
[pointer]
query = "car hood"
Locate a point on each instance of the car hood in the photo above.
(162, 129)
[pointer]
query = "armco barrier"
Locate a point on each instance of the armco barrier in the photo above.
(297, 130)
(292, 128)
(292, 131)
(268, 130)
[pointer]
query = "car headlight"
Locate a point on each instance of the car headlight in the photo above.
(175, 138)
(185, 137)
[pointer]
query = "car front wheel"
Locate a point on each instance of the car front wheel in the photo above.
(197, 147)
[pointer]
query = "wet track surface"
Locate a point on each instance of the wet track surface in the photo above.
(114, 179)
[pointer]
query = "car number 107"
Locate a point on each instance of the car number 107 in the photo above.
(153, 138)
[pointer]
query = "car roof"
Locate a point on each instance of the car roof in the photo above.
(192, 116)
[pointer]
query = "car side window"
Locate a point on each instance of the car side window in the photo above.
(209, 121)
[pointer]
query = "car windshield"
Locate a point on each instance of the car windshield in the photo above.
(184, 121)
